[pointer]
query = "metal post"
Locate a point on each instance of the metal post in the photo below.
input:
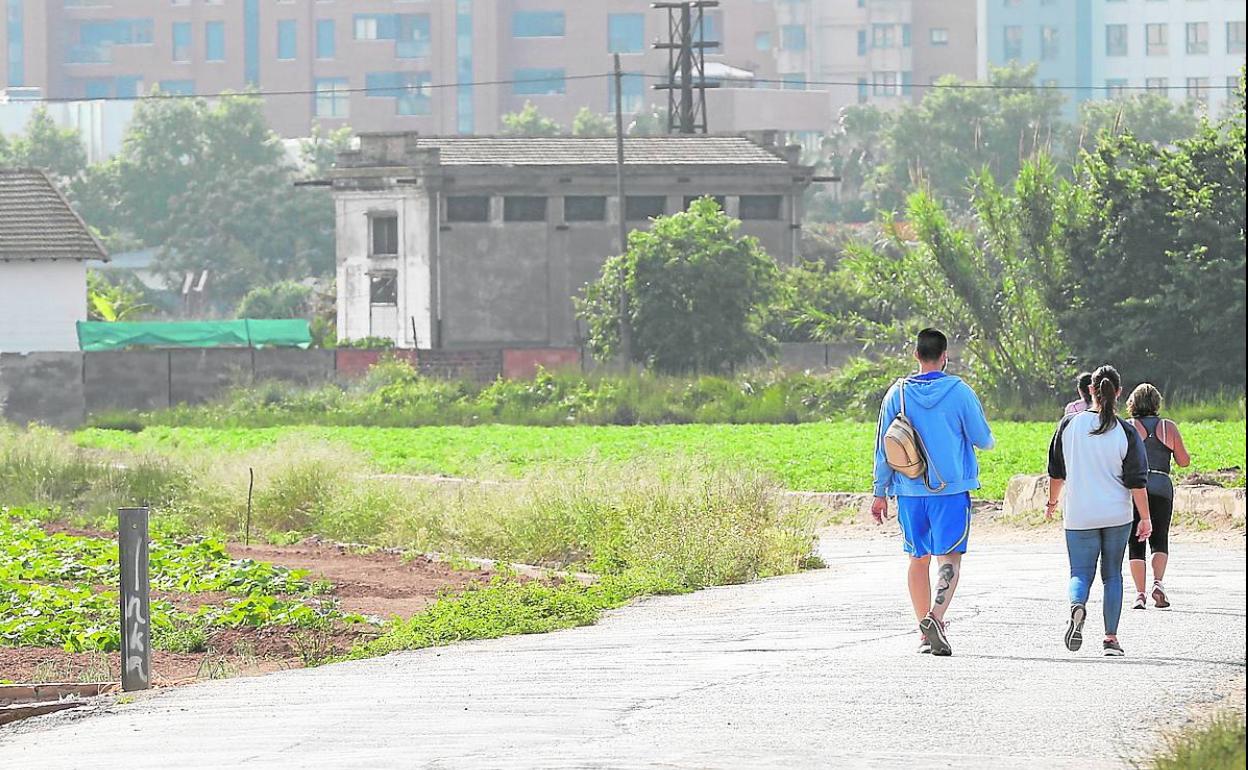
(626, 332)
(686, 69)
(136, 626)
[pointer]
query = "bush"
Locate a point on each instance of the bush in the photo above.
(1216, 746)
(281, 300)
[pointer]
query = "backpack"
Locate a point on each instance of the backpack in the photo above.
(903, 447)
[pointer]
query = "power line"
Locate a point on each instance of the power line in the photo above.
(390, 90)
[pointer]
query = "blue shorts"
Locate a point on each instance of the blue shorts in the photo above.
(935, 526)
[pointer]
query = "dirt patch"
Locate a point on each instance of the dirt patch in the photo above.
(1225, 477)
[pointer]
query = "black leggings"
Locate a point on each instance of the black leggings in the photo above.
(1160, 510)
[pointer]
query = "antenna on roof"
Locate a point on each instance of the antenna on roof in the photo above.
(686, 62)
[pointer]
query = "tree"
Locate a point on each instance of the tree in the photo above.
(1149, 117)
(319, 152)
(651, 121)
(286, 299)
(993, 284)
(529, 122)
(113, 300)
(1158, 285)
(852, 151)
(589, 123)
(45, 145)
(697, 293)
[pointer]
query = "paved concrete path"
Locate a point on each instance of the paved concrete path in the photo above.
(813, 670)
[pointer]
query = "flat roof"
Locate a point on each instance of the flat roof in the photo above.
(703, 150)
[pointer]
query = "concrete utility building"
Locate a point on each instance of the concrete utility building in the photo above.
(44, 246)
(463, 242)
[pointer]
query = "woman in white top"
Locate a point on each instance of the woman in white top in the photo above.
(1100, 461)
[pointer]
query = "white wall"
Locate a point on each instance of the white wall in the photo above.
(40, 301)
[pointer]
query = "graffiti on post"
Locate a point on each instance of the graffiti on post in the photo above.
(136, 649)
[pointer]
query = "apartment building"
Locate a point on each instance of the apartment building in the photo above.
(1190, 49)
(392, 64)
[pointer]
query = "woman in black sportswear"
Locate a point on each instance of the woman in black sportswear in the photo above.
(1162, 442)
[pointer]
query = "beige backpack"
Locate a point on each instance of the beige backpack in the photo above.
(903, 447)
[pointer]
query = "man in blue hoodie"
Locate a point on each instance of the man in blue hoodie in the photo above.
(935, 510)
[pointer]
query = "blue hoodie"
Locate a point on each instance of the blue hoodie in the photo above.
(951, 422)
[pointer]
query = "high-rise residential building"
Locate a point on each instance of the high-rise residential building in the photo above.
(1190, 49)
(458, 66)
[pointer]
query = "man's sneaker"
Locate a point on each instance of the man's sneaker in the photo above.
(1159, 596)
(934, 632)
(1112, 648)
(1141, 602)
(1074, 632)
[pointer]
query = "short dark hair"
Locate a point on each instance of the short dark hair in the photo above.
(931, 345)
(1083, 384)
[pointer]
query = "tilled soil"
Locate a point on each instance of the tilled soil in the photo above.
(381, 584)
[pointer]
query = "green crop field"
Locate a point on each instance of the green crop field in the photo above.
(833, 457)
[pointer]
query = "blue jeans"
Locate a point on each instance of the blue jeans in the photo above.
(1084, 547)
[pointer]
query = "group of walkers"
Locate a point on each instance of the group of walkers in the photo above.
(1115, 473)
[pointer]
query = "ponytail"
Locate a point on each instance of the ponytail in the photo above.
(1106, 383)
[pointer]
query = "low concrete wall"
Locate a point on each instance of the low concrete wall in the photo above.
(472, 365)
(302, 367)
(42, 387)
(198, 376)
(126, 379)
(1028, 494)
(351, 364)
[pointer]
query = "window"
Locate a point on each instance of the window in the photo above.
(415, 37)
(177, 87)
(286, 39)
(863, 90)
(907, 79)
(883, 36)
(385, 235)
(181, 41)
(793, 37)
(1197, 37)
(1235, 37)
(762, 42)
(639, 207)
(1012, 3)
(939, 36)
(710, 31)
(793, 81)
(538, 82)
(383, 287)
(1115, 87)
(1198, 89)
(16, 43)
(884, 83)
(1157, 84)
(468, 208)
(524, 208)
(759, 207)
(626, 33)
(465, 109)
(720, 201)
(326, 42)
(410, 90)
(537, 24)
(905, 35)
(332, 99)
(1115, 39)
(585, 208)
(1157, 37)
(1048, 43)
(1013, 41)
(214, 41)
(863, 45)
(633, 96)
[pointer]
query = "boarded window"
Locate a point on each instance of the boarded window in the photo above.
(640, 207)
(524, 208)
(383, 287)
(385, 235)
(758, 207)
(468, 208)
(719, 199)
(584, 208)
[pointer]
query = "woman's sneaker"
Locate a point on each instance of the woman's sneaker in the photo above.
(1074, 632)
(925, 647)
(1160, 599)
(1112, 648)
(1141, 602)
(934, 632)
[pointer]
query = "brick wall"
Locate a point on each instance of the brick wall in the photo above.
(474, 365)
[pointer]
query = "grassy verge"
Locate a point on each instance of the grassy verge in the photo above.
(819, 457)
(1219, 745)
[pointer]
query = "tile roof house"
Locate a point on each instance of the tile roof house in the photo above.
(44, 247)
(484, 241)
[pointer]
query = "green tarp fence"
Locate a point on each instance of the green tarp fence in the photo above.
(248, 333)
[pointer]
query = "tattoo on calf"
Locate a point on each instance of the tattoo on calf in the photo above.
(946, 578)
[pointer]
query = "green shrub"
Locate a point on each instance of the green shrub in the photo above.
(1218, 745)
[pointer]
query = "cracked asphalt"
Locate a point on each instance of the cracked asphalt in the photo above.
(811, 670)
